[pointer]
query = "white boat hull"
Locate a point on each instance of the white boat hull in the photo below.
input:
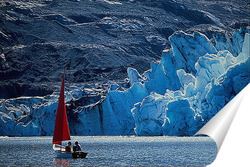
(60, 151)
(63, 154)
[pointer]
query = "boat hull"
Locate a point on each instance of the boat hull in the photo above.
(79, 154)
(63, 154)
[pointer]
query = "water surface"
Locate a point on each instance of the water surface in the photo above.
(111, 151)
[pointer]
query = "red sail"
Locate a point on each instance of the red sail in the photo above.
(61, 130)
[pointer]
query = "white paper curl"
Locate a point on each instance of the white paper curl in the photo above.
(218, 127)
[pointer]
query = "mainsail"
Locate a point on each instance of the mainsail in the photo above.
(61, 130)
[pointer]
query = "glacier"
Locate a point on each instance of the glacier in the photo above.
(214, 80)
(194, 79)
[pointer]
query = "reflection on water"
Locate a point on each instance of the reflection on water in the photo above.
(61, 162)
(111, 151)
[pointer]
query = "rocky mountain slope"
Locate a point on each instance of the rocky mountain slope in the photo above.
(97, 39)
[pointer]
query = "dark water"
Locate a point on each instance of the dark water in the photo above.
(111, 151)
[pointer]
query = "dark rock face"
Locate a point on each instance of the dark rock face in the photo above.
(96, 40)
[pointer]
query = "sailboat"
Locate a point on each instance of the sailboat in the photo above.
(61, 130)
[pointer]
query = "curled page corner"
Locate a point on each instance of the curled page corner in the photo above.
(236, 146)
(218, 126)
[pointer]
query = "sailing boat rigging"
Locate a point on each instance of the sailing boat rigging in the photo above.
(61, 130)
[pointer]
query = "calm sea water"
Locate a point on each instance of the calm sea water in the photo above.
(111, 151)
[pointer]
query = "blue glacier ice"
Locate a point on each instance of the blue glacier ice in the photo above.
(218, 78)
(194, 79)
(149, 115)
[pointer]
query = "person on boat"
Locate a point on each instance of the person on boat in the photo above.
(77, 147)
(68, 147)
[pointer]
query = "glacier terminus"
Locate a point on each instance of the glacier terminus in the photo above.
(195, 77)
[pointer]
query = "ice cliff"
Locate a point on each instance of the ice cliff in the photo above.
(214, 79)
(193, 80)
